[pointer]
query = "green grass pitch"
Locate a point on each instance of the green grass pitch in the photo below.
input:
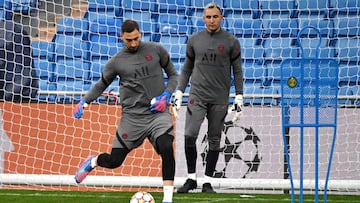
(37, 196)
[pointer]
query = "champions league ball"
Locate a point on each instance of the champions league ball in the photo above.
(142, 197)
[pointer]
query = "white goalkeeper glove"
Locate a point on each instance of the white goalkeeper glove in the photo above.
(177, 102)
(237, 107)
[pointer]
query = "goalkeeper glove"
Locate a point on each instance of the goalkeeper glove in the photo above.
(177, 102)
(78, 111)
(159, 103)
(237, 107)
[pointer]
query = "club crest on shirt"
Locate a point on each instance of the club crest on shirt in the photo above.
(148, 57)
(221, 47)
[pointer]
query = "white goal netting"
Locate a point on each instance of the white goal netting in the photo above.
(52, 52)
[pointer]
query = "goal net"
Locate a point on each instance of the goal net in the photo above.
(52, 52)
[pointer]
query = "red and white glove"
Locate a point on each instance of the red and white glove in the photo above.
(237, 107)
(159, 103)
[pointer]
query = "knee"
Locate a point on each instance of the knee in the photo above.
(190, 141)
(105, 160)
(165, 144)
(214, 144)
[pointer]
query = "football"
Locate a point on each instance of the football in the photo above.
(142, 197)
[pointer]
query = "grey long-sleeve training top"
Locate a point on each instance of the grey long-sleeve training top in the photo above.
(141, 77)
(210, 59)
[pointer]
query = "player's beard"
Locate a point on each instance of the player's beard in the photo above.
(133, 49)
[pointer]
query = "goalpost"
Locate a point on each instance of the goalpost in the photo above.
(41, 144)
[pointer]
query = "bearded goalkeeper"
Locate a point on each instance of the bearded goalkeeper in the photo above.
(144, 99)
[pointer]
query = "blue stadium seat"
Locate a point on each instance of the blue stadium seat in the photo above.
(280, 27)
(149, 30)
(43, 58)
(347, 26)
(73, 26)
(247, 28)
(2, 10)
(145, 13)
(174, 6)
(140, 5)
(309, 45)
(104, 45)
(254, 77)
(325, 27)
(103, 9)
(94, 15)
(70, 68)
(174, 24)
(104, 37)
(71, 38)
(97, 66)
(251, 49)
(144, 9)
(174, 32)
(241, 9)
(277, 9)
(72, 65)
(198, 6)
(69, 25)
(71, 46)
(110, 26)
(280, 48)
(72, 77)
(22, 6)
(347, 49)
(318, 8)
(344, 8)
(104, 5)
(349, 75)
(198, 24)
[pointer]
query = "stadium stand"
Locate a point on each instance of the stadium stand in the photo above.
(43, 57)
(174, 32)
(71, 52)
(247, 9)
(277, 9)
(312, 9)
(181, 7)
(267, 32)
(98, 9)
(143, 11)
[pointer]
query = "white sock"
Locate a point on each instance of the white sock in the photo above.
(94, 162)
(192, 176)
(168, 193)
(207, 179)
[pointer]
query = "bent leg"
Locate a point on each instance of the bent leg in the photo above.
(113, 160)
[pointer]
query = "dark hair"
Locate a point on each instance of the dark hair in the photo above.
(213, 5)
(129, 26)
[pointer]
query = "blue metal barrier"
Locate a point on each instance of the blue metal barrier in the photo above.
(309, 89)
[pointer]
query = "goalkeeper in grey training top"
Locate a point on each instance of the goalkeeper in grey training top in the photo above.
(212, 56)
(144, 100)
